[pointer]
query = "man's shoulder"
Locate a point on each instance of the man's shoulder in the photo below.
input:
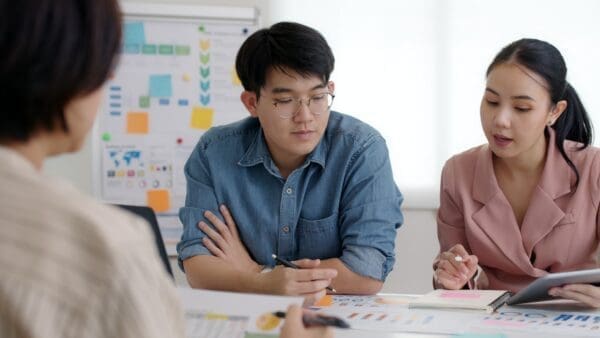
(350, 128)
(234, 132)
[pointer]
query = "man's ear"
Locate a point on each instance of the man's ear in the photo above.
(331, 87)
(250, 102)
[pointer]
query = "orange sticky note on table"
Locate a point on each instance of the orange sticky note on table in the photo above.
(325, 301)
(158, 199)
(137, 123)
(202, 118)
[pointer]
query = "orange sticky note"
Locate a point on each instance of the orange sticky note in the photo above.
(137, 123)
(158, 199)
(204, 45)
(202, 118)
(325, 301)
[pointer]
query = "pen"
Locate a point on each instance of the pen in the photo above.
(459, 259)
(318, 320)
(294, 266)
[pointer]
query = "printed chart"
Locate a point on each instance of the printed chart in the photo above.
(390, 313)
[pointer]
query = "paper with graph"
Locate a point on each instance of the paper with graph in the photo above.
(216, 314)
(390, 313)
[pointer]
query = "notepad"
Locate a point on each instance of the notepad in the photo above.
(486, 300)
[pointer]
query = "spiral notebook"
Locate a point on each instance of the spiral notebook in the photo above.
(486, 300)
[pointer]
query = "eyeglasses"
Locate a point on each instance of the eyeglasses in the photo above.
(289, 106)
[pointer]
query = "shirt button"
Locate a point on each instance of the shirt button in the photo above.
(289, 191)
(285, 229)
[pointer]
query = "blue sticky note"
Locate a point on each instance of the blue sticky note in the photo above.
(133, 33)
(160, 86)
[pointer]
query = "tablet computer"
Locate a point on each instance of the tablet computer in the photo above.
(538, 289)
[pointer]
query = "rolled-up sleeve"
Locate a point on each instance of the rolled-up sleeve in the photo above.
(200, 197)
(370, 212)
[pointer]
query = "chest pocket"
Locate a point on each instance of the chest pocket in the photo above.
(318, 238)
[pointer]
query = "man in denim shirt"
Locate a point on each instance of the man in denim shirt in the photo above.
(294, 179)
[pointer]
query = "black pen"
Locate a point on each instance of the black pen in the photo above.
(294, 266)
(318, 320)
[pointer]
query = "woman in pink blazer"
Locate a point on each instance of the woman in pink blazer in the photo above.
(526, 203)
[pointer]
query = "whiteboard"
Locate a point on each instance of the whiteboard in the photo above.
(175, 79)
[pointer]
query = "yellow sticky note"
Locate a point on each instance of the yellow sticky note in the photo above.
(137, 123)
(235, 79)
(186, 77)
(158, 199)
(204, 45)
(202, 118)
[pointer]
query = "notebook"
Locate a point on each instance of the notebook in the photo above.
(486, 300)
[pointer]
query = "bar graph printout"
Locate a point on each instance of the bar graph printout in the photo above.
(390, 313)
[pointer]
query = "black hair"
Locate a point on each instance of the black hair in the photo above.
(284, 45)
(52, 52)
(546, 60)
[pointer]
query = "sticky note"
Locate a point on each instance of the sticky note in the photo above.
(204, 45)
(149, 49)
(131, 49)
(137, 123)
(160, 86)
(186, 77)
(165, 49)
(235, 79)
(144, 101)
(205, 85)
(202, 118)
(204, 58)
(182, 50)
(158, 199)
(325, 301)
(134, 33)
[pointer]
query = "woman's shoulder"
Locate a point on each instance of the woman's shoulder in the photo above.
(467, 158)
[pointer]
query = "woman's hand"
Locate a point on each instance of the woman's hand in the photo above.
(294, 328)
(455, 268)
(585, 293)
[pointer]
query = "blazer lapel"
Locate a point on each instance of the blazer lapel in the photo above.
(543, 213)
(496, 218)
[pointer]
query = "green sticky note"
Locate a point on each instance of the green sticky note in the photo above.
(204, 58)
(144, 101)
(106, 137)
(165, 49)
(149, 49)
(182, 50)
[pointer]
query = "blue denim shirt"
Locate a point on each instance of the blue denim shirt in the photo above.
(342, 202)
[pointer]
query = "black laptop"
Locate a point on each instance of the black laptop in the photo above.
(148, 214)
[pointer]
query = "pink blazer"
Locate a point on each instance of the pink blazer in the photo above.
(560, 230)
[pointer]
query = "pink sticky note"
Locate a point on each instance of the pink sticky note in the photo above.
(460, 295)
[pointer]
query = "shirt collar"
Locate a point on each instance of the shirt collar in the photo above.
(258, 152)
(14, 160)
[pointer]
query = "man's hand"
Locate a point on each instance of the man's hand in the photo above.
(308, 281)
(225, 242)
